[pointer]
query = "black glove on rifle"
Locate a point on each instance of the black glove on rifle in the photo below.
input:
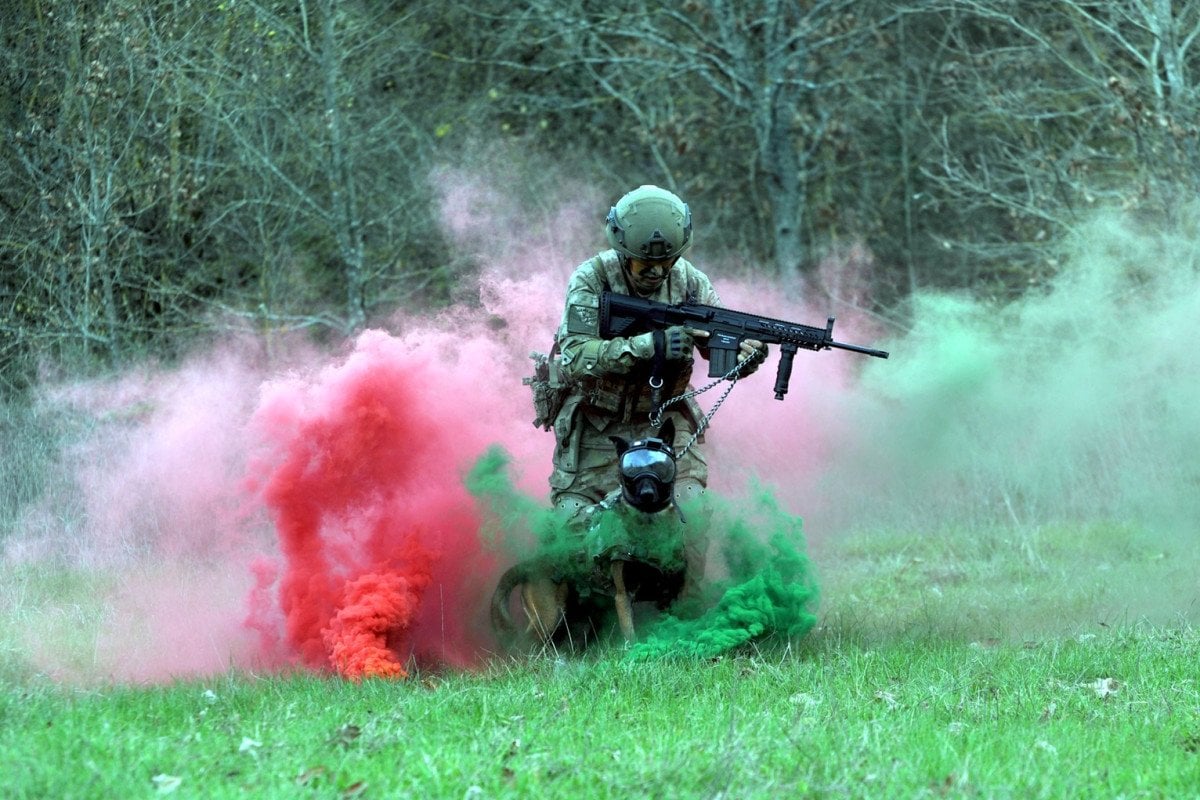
(677, 343)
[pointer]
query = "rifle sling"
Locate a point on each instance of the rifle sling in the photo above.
(657, 367)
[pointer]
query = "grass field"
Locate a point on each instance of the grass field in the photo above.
(952, 665)
(1003, 521)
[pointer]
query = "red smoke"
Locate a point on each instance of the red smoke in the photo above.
(365, 634)
(378, 538)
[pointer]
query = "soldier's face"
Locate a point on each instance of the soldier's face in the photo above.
(647, 276)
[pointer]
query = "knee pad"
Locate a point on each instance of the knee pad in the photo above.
(574, 509)
(570, 505)
(688, 489)
(690, 494)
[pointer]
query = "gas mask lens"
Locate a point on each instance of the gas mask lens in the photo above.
(642, 461)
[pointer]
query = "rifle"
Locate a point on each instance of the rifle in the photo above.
(626, 315)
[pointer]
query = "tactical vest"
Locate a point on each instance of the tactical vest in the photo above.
(628, 397)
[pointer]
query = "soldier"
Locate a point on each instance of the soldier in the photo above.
(607, 381)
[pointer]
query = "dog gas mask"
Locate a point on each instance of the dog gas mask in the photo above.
(647, 470)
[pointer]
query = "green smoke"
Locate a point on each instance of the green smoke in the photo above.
(513, 522)
(768, 588)
(521, 527)
(769, 591)
(1077, 403)
(508, 510)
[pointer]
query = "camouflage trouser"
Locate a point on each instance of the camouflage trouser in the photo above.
(585, 470)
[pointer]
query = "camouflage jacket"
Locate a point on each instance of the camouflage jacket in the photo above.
(611, 376)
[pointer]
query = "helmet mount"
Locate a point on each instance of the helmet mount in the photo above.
(649, 224)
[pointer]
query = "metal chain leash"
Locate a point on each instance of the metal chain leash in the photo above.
(732, 376)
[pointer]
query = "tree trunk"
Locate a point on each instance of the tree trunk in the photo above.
(346, 213)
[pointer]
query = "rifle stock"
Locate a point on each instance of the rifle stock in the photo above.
(627, 315)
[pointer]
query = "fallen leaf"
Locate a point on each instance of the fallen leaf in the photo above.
(346, 735)
(166, 783)
(311, 774)
(355, 789)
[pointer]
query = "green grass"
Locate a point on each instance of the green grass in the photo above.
(1004, 663)
(1007, 584)
(1052, 661)
(1115, 715)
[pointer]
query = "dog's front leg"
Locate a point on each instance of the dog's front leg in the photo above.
(623, 601)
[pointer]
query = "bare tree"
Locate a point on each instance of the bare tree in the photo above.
(751, 88)
(272, 159)
(322, 164)
(84, 165)
(1048, 111)
(170, 159)
(1147, 53)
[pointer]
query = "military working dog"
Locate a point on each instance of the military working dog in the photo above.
(567, 599)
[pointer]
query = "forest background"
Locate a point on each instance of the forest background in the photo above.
(172, 168)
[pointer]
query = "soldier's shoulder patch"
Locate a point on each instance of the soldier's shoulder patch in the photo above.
(583, 319)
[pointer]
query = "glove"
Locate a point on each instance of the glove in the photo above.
(677, 343)
(759, 352)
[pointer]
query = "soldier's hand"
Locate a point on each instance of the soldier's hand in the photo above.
(756, 351)
(678, 341)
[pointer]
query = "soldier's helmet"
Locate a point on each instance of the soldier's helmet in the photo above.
(650, 224)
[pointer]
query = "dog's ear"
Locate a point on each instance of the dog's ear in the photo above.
(667, 433)
(621, 444)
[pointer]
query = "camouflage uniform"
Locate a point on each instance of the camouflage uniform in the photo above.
(609, 392)
(604, 384)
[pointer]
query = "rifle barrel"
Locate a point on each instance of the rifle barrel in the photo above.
(860, 349)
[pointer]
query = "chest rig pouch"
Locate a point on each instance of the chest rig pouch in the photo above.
(549, 391)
